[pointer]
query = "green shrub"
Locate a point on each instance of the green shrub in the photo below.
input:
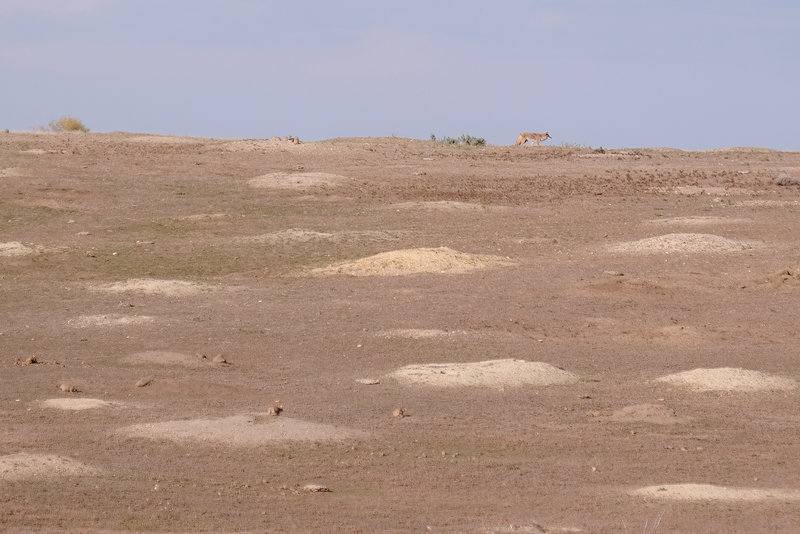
(67, 124)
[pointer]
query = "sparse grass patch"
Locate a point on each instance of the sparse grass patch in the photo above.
(466, 140)
(574, 146)
(67, 124)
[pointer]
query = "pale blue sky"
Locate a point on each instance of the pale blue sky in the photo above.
(612, 73)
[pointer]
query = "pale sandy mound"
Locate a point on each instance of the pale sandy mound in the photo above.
(764, 203)
(297, 180)
(240, 430)
(159, 357)
(696, 221)
(709, 492)
(148, 286)
(23, 466)
(692, 243)
(15, 248)
(203, 217)
(656, 414)
(418, 333)
(113, 319)
(290, 235)
(10, 171)
(491, 373)
(260, 145)
(729, 379)
(445, 205)
(415, 261)
(77, 404)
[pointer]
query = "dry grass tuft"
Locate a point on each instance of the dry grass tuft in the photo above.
(67, 124)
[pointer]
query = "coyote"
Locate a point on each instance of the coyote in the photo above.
(534, 138)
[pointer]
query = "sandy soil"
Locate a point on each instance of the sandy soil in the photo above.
(391, 335)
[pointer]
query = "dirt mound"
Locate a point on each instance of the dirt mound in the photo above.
(445, 205)
(709, 492)
(240, 430)
(299, 235)
(10, 171)
(15, 248)
(77, 404)
(23, 466)
(202, 217)
(147, 286)
(729, 379)
(113, 319)
(297, 180)
(418, 333)
(491, 373)
(167, 358)
(765, 203)
(697, 221)
(415, 261)
(290, 235)
(657, 414)
(690, 243)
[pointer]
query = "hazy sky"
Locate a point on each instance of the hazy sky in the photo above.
(613, 73)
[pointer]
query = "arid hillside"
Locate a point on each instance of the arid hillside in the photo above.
(394, 335)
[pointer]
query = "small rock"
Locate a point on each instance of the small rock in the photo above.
(316, 488)
(146, 381)
(275, 410)
(399, 412)
(219, 358)
(31, 360)
(83, 233)
(613, 273)
(68, 388)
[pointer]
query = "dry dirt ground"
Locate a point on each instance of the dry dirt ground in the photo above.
(497, 339)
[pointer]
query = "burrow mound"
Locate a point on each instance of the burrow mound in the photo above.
(250, 430)
(15, 248)
(300, 235)
(113, 319)
(419, 333)
(687, 243)
(709, 492)
(699, 220)
(490, 373)
(77, 404)
(297, 180)
(150, 286)
(729, 379)
(24, 466)
(415, 261)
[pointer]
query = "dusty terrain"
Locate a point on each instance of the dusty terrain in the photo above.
(498, 339)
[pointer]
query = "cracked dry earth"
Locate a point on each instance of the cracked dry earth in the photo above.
(391, 335)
